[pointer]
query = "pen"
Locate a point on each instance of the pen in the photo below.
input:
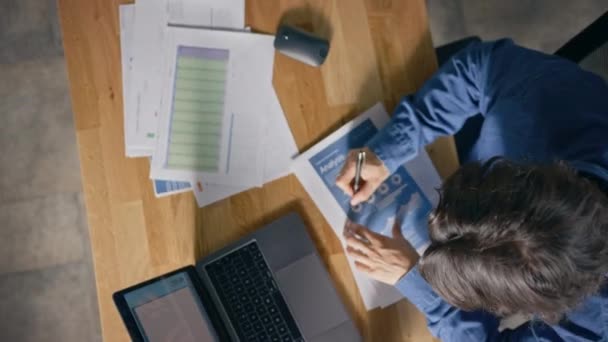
(356, 185)
(360, 162)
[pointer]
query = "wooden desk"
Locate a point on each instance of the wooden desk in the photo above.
(380, 50)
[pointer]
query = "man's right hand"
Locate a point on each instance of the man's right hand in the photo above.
(373, 173)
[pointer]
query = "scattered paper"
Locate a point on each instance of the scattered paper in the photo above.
(280, 149)
(198, 127)
(206, 193)
(148, 65)
(233, 153)
(277, 147)
(127, 22)
(164, 188)
(217, 14)
(149, 33)
(407, 195)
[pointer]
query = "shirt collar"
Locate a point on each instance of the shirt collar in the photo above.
(593, 172)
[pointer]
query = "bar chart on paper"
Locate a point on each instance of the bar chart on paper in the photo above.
(197, 122)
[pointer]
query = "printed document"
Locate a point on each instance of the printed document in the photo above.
(127, 21)
(217, 14)
(407, 196)
(149, 38)
(280, 149)
(212, 123)
(164, 188)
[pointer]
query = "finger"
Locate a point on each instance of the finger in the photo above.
(346, 176)
(348, 228)
(362, 231)
(360, 245)
(364, 268)
(359, 256)
(397, 234)
(366, 190)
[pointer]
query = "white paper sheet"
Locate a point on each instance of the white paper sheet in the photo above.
(218, 14)
(127, 22)
(143, 101)
(206, 194)
(280, 145)
(238, 159)
(163, 188)
(280, 150)
(150, 25)
(407, 195)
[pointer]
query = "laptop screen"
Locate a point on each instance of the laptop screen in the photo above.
(170, 309)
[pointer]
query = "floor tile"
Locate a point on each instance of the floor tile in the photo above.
(446, 21)
(42, 232)
(28, 29)
(539, 24)
(55, 304)
(37, 138)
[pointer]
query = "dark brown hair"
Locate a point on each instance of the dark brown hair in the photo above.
(508, 238)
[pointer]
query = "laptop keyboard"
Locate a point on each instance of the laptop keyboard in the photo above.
(251, 297)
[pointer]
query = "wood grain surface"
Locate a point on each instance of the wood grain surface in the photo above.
(380, 50)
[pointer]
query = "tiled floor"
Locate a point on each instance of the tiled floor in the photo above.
(47, 290)
(539, 24)
(46, 278)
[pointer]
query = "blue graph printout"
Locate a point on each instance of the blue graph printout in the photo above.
(399, 197)
(166, 186)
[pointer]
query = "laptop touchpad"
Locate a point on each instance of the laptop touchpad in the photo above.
(311, 296)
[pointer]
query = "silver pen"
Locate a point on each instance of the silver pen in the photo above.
(356, 185)
(360, 162)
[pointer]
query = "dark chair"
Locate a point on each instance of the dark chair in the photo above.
(589, 49)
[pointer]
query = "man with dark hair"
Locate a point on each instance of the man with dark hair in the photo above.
(522, 228)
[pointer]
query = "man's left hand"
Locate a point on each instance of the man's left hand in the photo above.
(380, 257)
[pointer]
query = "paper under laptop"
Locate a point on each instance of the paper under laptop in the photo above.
(149, 32)
(211, 126)
(407, 195)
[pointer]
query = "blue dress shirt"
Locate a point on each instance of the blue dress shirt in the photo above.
(536, 107)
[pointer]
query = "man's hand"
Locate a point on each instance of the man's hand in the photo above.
(373, 173)
(382, 258)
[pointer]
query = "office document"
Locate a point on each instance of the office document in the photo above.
(150, 32)
(212, 123)
(225, 129)
(197, 125)
(407, 196)
(127, 14)
(217, 14)
(280, 148)
(164, 188)
(142, 104)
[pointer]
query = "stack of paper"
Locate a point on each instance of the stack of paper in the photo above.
(198, 98)
(407, 195)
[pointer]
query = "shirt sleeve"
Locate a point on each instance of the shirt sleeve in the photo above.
(451, 324)
(455, 93)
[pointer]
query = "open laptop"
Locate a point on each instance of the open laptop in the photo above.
(269, 286)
